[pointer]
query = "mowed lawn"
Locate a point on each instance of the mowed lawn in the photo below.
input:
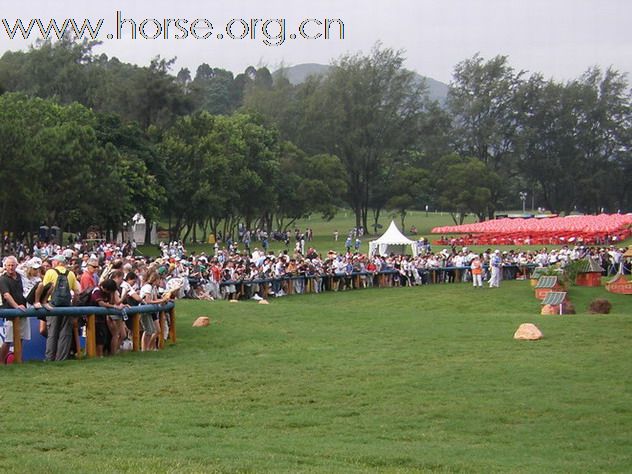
(424, 379)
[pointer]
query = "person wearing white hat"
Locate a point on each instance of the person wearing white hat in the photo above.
(31, 274)
(495, 262)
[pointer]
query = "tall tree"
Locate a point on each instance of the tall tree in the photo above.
(212, 90)
(463, 185)
(482, 101)
(410, 190)
(576, 140)
(59, 70)
(128, 169)
(21, 119)
(71, 156)
(307, 184)
(278, 104)
(367, 112)
(227, 169)
(158, 99)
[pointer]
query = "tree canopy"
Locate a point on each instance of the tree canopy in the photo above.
(88, 139)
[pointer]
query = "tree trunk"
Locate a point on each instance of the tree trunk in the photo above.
(148, 227)
(376, 218)
(365, 220)
(187, 232)
(214, 225)
(170, 228)
(175, 231)
(267, 224)
(204, 224)
(358, 215)
(289, 224)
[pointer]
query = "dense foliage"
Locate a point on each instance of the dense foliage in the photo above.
(90, 140)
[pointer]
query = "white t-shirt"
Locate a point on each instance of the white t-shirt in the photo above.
(127, 290)
(27, 283)
(148, 291)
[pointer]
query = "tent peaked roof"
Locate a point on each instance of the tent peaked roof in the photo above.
(392, 241)
(393, 236)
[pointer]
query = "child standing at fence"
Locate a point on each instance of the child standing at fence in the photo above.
(149, 321)
(477, 272)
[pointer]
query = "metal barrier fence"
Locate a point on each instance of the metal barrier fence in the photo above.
(91, 312)
(388, 278)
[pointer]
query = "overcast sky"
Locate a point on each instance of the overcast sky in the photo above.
(558, 38)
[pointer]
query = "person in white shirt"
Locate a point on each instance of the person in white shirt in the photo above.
(149, 321)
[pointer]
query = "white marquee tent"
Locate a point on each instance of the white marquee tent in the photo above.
(392, 241)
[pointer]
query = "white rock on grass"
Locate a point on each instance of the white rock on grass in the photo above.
(528, 332)
(201, 322)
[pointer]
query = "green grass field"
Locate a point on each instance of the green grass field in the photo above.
(423, 379)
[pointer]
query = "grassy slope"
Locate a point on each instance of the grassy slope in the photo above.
(392, 380)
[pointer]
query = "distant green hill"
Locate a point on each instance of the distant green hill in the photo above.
(297, 74)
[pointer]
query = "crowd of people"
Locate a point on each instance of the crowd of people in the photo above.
(102, 275)
(115, 277)
(251, 273)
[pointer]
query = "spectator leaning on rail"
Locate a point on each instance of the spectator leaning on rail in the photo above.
(60, 328)
(149, 322)
(32, 272)
(115, 322)
(12, 298)
(105, 296)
